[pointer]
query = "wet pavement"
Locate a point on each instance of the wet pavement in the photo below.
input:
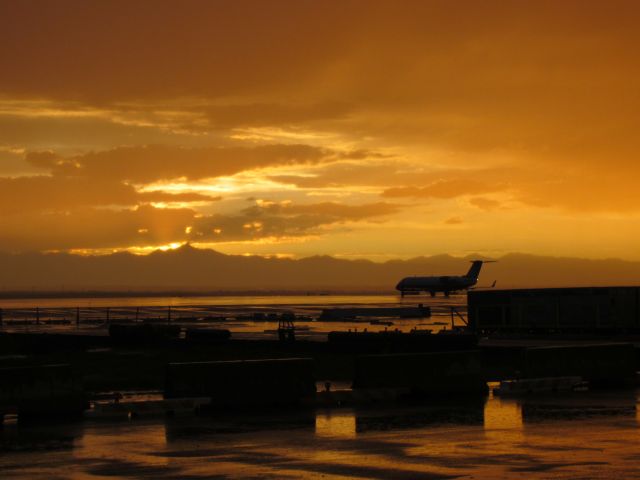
(206, 309)
(583, 435)
(571, 436)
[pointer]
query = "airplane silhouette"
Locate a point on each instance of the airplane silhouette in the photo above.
(445, 284)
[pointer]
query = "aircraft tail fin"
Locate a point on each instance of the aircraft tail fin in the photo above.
(476, 265)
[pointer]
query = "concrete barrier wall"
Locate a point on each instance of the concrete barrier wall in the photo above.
(433, 374)
(40, 390)
(243, 383)
(598, 364)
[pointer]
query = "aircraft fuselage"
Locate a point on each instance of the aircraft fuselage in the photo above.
(445, 284)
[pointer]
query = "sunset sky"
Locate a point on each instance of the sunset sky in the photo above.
(359, 129)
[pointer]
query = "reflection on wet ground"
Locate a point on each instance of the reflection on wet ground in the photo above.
(581, 435)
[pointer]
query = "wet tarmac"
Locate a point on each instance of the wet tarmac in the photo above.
(583, 435)
(572, 436)
(209, 309)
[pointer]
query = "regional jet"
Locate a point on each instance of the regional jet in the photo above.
(445, 284)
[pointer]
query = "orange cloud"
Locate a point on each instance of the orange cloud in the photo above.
(91, 228)
(230, 116)
(45, 193)
(100, 228)
(532, 106)
(444, 189)
(284, 220)
(145, 164)
(483, 203)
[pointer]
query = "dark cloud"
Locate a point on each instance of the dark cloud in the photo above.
(483, 203)
(91, 228)
(104, 228)
(99, 184)
(555, 81)
(285, 219)
(105, 178)
(12, 164)
(145, 164)
(119, 50)
(349, 173)
(447, 188)
(267, 114)
(551, 86)
(547, 92)
(548, 187)
(328, 209)
(54, 194)
(73, 134)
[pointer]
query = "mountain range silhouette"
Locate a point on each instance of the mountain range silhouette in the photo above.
(191, 269)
